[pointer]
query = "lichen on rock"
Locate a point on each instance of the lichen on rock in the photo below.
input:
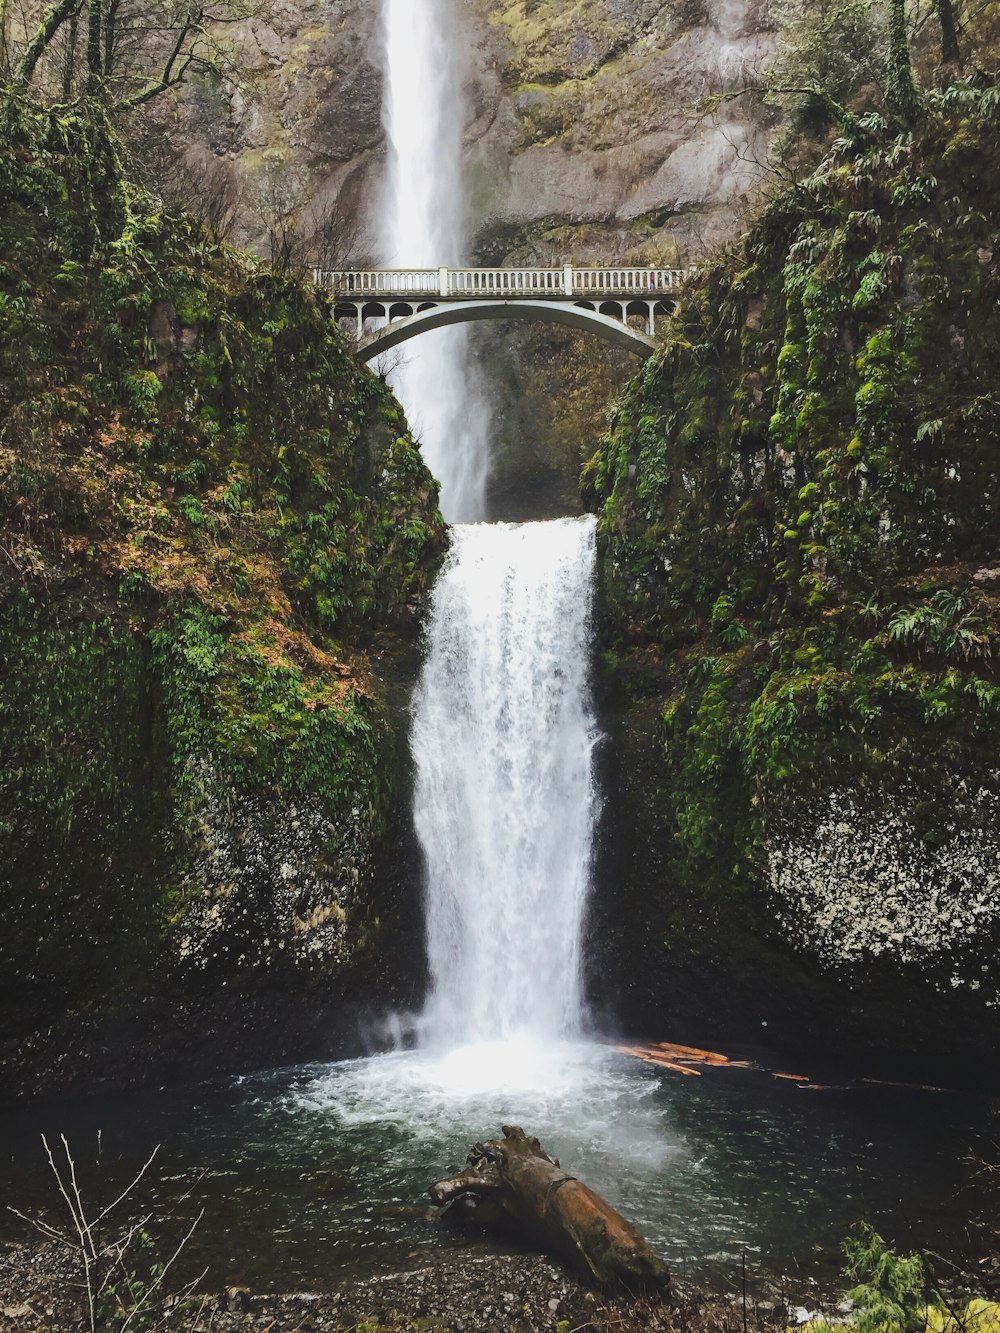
(861, 881)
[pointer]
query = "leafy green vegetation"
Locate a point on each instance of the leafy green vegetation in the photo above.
(893, 1293)
(802, 482)
(889, 1292)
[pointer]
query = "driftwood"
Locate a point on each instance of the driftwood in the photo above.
(681, 1059)
(514, 1185)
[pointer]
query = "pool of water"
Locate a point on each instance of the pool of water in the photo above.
(311, 1173)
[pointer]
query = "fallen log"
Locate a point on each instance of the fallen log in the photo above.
(511, 1183)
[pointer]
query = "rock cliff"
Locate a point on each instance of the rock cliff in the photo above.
(215, 531)
(582, 136)
(799, 526)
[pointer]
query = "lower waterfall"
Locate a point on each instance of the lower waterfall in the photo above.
(711, 1169)
(503, 738)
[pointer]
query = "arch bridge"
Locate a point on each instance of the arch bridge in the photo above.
(410, 301)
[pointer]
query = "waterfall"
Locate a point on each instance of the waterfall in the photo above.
(503, 737)
(423, 225)
(503, 731)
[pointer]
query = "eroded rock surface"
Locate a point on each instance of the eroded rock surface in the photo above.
(581, 116)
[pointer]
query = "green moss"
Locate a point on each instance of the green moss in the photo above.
(213, 510)
(79, 820)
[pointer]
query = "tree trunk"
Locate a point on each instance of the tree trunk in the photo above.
(95, 28)
(901, 91)
(947, 17)
(51, 21)
(513, 1184)
(5, 60)
(109, 35)
(69, 59)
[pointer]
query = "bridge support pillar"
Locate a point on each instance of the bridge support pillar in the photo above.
(651, 317)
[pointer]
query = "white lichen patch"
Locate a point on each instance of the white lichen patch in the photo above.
(864, 880)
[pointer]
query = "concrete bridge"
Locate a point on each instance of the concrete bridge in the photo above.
(410, 301)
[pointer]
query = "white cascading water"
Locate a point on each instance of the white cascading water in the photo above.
(423, 225)
(503, 737)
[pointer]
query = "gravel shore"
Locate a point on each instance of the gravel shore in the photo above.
(41, 1292)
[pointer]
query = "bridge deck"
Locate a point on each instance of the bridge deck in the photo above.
(463, 284)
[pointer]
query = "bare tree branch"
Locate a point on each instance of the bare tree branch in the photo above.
(52, 20)
(777, 89)
(172, 73)
(135, 50)
(109, 1269)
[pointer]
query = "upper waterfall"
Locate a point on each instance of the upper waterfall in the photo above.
(423, 223)
(503, 738)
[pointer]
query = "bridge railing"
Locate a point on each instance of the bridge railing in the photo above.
(614, 281)
(506, 282)
(560, 283)
(381, 281)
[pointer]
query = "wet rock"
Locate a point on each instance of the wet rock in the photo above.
(235, 1299)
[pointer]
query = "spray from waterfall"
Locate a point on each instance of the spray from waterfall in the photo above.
(503, 738)
(424, 226)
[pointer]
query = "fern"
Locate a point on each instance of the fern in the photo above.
(889, 1295)
(946, 625)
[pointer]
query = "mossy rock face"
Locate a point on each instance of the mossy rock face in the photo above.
(217, 525)
(798, 535)
(79, 817)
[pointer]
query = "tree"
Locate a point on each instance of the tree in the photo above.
(948, 18)
(300, 231)
(845, 48)
(134, 50)
(850, 51)
(901, 90)
(196, 181)
(835, 45)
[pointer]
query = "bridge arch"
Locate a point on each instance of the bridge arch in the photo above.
(427, 317)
